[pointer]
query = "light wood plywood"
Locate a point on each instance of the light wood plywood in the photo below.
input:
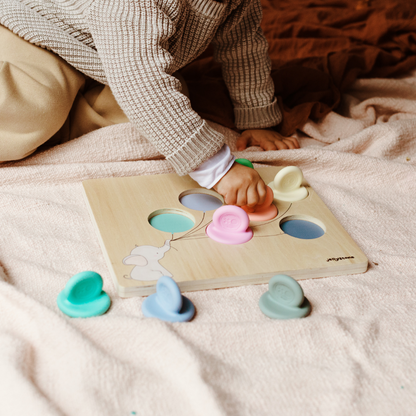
(121, 208)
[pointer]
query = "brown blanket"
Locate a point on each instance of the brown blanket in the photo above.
(318, 48)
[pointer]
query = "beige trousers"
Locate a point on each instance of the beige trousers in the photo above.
(45, 100)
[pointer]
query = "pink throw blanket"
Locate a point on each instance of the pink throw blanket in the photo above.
(355, 354)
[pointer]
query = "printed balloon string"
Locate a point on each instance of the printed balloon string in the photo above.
(191, 234)
(172, 246)
(274, 219)
(166, 240)
(196, 237)
(193, 230)
(271, 235)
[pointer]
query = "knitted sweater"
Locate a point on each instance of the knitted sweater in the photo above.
(135, 46)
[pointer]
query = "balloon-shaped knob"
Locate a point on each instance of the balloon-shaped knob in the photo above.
(287, 183)
(284, 299)
(265, 211)
(168, 304)
(169, 295)
(230, 226)
(83, 296)
(244, 162)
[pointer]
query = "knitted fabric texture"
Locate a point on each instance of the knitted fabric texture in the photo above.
(136, 46)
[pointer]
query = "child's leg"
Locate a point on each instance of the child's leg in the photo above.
(44, 99)
(37, 90)
(94, 107)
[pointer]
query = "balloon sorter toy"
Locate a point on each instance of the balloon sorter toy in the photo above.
(166, 225)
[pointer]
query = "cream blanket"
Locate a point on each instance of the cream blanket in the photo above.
(354, 355)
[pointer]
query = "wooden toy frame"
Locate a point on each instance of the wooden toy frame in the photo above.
(121, 208)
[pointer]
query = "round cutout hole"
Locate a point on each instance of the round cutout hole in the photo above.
(201, 200)
(302, 227)
(171, 221)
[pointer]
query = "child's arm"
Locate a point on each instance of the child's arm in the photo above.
(266, 139)
(133, 41)
(242, 50)
(239, 185)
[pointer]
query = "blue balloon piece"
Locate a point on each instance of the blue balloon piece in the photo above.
(305, 230)
(165, 304)
(168, 294)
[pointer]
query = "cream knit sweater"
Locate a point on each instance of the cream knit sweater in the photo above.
(136, 45)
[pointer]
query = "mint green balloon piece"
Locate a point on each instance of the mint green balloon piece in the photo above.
(83, 296)
(284, 299)
(245, 162)
(171, 223)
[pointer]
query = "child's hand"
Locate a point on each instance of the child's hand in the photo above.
(266, 139)
(241, 186)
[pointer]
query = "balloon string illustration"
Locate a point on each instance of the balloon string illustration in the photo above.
(190, 235)
(273, 220)
(196, 236)
(193, 231)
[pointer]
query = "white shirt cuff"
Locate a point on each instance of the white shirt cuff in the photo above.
(213, 169)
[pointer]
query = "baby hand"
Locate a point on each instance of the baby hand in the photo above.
(266, 139)
(241, 186)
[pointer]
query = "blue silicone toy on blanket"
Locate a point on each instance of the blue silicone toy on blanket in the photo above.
(167, 303)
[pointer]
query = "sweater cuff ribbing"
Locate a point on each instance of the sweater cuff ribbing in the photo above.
(213, 9)
(205, 143)
(258, 117)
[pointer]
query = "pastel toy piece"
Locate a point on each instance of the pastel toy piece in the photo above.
(287, 185)
(167, 303)
(284, 299)
(230, 226)
(245, 162)
(265, 211)
(83, 296)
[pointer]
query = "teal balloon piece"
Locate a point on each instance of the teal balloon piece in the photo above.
(284, 299)
(83, 296)
(171, 223)
(167, 303)
(245, 162)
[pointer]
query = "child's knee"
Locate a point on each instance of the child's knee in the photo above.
(31, 111)
(37, 90)
(16, 147)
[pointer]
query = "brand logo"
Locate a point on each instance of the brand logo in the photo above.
(340, 258)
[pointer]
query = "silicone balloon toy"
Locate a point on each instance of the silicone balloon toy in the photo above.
(167, 303)
(230, 225)
(287, 185)
(284, 299)
(245, 162)
(265, 211)
(83, 296)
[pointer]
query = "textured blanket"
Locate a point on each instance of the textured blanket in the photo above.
(354, 355)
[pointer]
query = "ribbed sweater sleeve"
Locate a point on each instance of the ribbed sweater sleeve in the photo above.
(242, 49)
(36, 23)
(135, 46)
(132, 38)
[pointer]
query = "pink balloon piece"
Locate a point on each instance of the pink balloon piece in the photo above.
(265, 211)
(230, 226)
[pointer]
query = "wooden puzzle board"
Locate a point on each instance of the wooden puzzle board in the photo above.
(121, 207)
